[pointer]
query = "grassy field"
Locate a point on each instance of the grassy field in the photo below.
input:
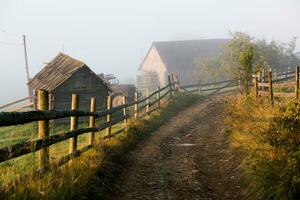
(14, 168)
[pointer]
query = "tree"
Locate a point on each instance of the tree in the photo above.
(237, 58)
(277, 55)
(244, 55)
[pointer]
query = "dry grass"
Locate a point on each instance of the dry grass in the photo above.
(92, 173)
(259, 133)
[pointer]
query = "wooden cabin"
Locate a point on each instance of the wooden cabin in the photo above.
(64, 76)
(177, 57)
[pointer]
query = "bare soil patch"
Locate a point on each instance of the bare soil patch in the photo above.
(187, 158)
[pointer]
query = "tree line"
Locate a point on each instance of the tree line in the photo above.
(244, 55)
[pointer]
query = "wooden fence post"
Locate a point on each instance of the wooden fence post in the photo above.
(136, 109)
(199, 89)
(74, 125)
(239, 81)
(270, 85)
(255, 81)
(35, 100)
(148, 102)
(43, 104)
(177, 80)
(289, 71)
(108, 116)
(169, 80)
(125, 113)
(297, 81)
(260, 74)
(173, 83)
(92, 121)
(172, 79)
(158, 98)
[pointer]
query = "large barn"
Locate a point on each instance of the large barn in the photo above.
(177, 57)
(64, 76)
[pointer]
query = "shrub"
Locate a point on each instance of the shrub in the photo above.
(272, 145)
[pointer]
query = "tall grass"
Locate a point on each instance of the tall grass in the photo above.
(269, 138)
(93, 172)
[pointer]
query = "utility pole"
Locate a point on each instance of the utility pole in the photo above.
(26, 65)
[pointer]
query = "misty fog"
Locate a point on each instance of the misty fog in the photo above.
(113, 36)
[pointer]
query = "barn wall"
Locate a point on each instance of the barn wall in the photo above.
(86, 85)
(154, 63)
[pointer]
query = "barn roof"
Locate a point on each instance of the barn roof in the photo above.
(181, 54)
(56, 72)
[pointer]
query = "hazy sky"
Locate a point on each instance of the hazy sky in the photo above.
(112, 36)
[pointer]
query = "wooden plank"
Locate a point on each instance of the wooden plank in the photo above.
(147, 102)
(15, 102)
(14, 118)
(297, 81)
(160, 90)
(284, 94)
(206, 84)
(270, 86)
(114, 134)
(136, 112)
(161, 97)
(29, 105)
(125, 113)
(264, 93)
(255, 85)
(277, 94)
(43, 128)
(92, 121)
(22, 148)
(158, 98)
(170, 83)
(261, 84)
(74, 125)
(108, 116)
(283, 85)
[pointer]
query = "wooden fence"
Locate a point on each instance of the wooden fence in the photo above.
(19, 104)
(43, 115)
(287, 82)
(141, 107)
(213, 88)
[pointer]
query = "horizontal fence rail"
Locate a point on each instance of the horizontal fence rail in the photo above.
(139, 108)
(15, 118)
(42, 116)
(272, 86)
(17, 101)
(208, 87)
(205, 84)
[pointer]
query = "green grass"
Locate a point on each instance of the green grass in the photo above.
(14, 168)
(94, 172)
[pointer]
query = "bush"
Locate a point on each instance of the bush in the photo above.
(272, 145)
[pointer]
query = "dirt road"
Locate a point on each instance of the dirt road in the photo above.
(187, 158)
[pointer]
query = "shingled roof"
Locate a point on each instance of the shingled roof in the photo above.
(181, 54)
(56, 72)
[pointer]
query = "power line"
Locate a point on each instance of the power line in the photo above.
(10, 43)
(10, 33)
